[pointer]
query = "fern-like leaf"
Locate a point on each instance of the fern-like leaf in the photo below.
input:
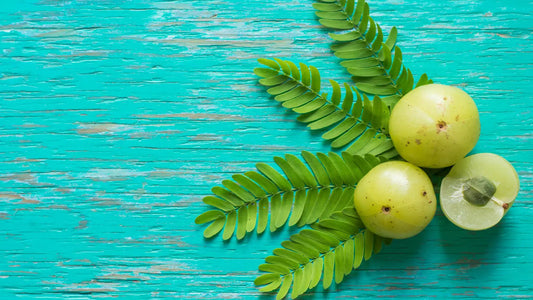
(329, 251)
(350, 119)
(375, 63)
(297, 192)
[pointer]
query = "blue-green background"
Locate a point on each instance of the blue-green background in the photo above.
(117, 117)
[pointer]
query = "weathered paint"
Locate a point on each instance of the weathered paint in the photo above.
(117, 117)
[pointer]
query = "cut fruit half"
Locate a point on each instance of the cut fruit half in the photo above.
(479, 190)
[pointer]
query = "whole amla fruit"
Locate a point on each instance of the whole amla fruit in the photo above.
(434, 125)
(395, 200)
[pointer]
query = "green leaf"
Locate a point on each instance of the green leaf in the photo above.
(300, 168)
(299, 100)
(282, 260)
(349, 256)
(376, 44)
(359, 249)
(341, 167)
(339, 264)
(299, 205)
(317, 272)
(275, 212)
(315, 79)
(209, 216)
(285, 286)
(290, 173)
(350, 7)
(273, 81)
(311, 106)
(336, 24)
(371, 32)
(269, 63)
(305, 74)
(285, 209)
(336, 95)
(242, 221)
(262, 219)
(318, 114)
(391, 40)
(307, 213)
(229, 228)
(282, 88)
(327, 121)
(292, 255)
(238, 191)
(361, 63)
(366, 137)
(264, 182)
(330, 169)
(345, 37)
(218, 203)
(251, 186)
(294, 93)
(320, 236)
(285, 67)
(326, 7)
(265, 72)
(369, 244)
(274, 268)
(271, 286)
(385, 56)
(266, 279)
(298, 283)
(329, 264)
(363, 25)
(282, 183)
(378, 244)
(252, 217)
(349, 136)
(339, 129)
(308, 252)
(318, 170)
(295, 72)
(214, 228)
(227, 195)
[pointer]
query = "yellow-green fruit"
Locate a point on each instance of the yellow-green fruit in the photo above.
(479, 190)
(434, 125)
(395, 200)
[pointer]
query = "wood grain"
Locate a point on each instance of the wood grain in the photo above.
(117, 117)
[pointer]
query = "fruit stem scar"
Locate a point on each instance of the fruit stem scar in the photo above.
(385, 209)
(441, 125)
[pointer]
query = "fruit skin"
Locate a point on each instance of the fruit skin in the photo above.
(494, 168)
(395, 200)
(434, 125)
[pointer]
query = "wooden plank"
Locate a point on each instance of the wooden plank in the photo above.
(117, 118)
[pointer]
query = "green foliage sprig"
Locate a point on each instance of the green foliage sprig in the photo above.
(302, 193)
(376, 64)
(330, 250)
(318, 191)
(353, 119)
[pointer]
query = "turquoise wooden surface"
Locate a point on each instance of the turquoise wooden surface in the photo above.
(117, 117)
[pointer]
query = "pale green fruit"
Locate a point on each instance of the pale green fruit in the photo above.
(478, 191)
(395, 200)
(434, 125)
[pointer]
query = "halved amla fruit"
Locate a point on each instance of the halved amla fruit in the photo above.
(479, 190)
